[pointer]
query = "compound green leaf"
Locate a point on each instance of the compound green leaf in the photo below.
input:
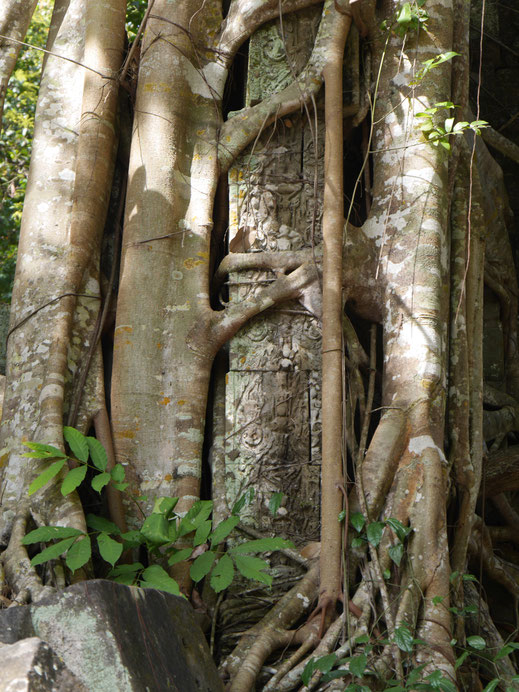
(180, 556)
(102, 524)
(223, 574)
(47, 475)
(261, 545)
(79, 553)
(253, 568)
(156, 529)
(109, 549)
(202, 565)
(99, 481)
(73, 478)
(97, 453)
(155, 577)
(42, 451)
(223, 529)
(52, 552)
(77, 443)
(48, 533)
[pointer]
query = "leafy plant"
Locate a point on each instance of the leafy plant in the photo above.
(409, 17)
(438, 134)
(160, 531)
(373, 534)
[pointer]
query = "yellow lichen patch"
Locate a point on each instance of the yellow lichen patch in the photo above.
(4, 456)
(181, 402)
(168, 477)
(164, 401)
(227, 378)
(159, 345)
(200, 132)
(242, 359)
(124, 328)
(192, 262)
(163, 87)
(128, 434)
(203, 254)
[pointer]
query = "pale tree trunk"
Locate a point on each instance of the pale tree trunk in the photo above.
(57, 276)
(15, 16)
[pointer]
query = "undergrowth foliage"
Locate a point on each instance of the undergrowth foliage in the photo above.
(159, 533)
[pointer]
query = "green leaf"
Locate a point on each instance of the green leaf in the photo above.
(492, 685)
(445, 104)
(479, 123)
(308, 671)
(79, 554)
(357, 542)
(102, 524)
(261, 545)
(52, 552)
(125, 569)
(399, 529)
(460, 659)
(223, 529)
(132, 539)
(202, 532)
(120, 486)
(252, 568)
(374, 532)
(98, 482)
(505, 650)
(198, 513)
(404, 638)
(77, 443)
(243, 501)
(461, 125)
(126, 579)
(202, 565)
(180, 556)
(341, 516)
(438, 599)
(109, 549)
(155, 577)
(118, 473)
(469, 577)
(46, 476)
(396, 553)
(357, 520)
(405, 15)
(97, 453)
(42, 451)
(275, 503)
(476, 642)
(155, 529)
(223, 574)
(449, 124)
(358, 665)
(165, 505)
(73, 478)
(49, 533)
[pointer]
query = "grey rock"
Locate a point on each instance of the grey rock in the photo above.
(30, 665)
(117, 638)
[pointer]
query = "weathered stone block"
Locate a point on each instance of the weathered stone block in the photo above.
(30, 665)
(115, 637)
